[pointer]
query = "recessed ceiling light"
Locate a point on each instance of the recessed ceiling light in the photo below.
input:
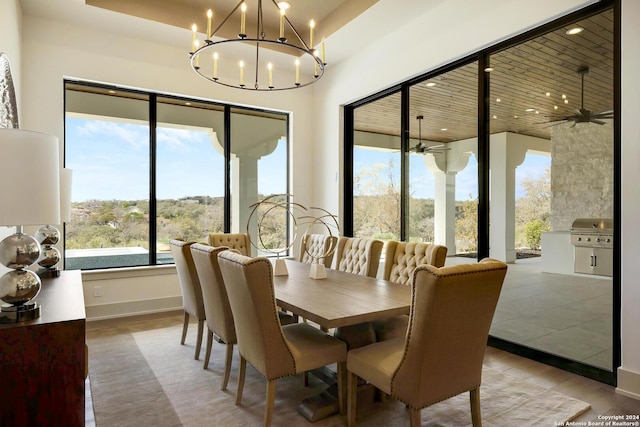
(430, 84)
(187, 103)
(283, 5)
(112, 92)
(488, 69)
(564, 96)
(495, 117)
(444, 129)
(555, 107)
(537, 112)
(528, 110)
(498, 100)
(548, 94)
(575, 30)
(566, 101)
(516, 117)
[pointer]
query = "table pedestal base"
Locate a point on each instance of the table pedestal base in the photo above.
(325, 404)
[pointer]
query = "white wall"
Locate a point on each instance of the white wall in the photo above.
(451, 30)
(10, 21)
(629, 372)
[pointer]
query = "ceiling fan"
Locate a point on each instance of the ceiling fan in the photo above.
(583, 115)
(424, 148)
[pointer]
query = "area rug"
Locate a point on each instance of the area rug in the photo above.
(146, 378)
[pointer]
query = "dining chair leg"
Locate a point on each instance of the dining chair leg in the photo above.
(474, 397)
(342, 387)
(185, 326)
(352, 398)
(199, 340)
(271, 399)
(227, 366)
(414, 417)
(207, 355)
(241, 372)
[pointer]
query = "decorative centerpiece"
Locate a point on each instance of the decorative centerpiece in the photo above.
(262, 212)
(329, 222)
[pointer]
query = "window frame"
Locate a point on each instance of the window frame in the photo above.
(152, 99)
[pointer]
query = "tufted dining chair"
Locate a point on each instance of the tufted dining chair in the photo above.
(190, 287)
(358, 256)
(400, 262)
(402, 258)
(314, 245)
(275, 351)
(216, 303)
(238, 241)
(441, 355)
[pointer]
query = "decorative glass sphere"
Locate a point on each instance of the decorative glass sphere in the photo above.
(18, 287)
(49, 256)
(47, 235)
(19, 251)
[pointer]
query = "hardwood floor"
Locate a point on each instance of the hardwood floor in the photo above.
(603, 398)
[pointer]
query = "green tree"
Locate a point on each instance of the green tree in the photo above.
(467, 225)
(376, 209)
(533, 211)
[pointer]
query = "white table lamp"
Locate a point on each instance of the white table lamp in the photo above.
(29, 195)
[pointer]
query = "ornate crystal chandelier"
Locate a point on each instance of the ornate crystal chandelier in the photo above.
(257, 52)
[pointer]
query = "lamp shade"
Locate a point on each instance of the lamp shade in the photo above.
(29, 178)
(65, 194)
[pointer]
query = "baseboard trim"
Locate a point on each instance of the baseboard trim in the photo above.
(628, 383)
(133, 308)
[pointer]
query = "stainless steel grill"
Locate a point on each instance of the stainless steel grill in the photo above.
(593, 242)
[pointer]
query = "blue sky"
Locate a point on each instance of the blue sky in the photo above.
(110, 160)
(422, 181)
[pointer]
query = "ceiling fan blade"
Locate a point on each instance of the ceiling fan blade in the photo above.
(605, 111)
(558, 120)
(556, 123)
(602, 116)
(600, 122)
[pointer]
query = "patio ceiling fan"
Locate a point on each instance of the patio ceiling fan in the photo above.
(582, 115)
(424, 148)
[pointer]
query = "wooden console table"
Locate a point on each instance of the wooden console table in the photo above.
(42, 361)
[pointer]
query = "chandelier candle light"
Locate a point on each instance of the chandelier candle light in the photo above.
(308, 63)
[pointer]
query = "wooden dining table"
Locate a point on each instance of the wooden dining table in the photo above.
(340, 299)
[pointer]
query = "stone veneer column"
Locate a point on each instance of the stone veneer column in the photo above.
(581, 173)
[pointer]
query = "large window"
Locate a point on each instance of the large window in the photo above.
(149, 168)
(497, 155)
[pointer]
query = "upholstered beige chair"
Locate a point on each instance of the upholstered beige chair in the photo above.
(315, 245)
(275, 351)
(442, 353)
(216, 303)
(358, 256)
(190, 287)
(238, 241)
(400, 261)
(402, 258)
